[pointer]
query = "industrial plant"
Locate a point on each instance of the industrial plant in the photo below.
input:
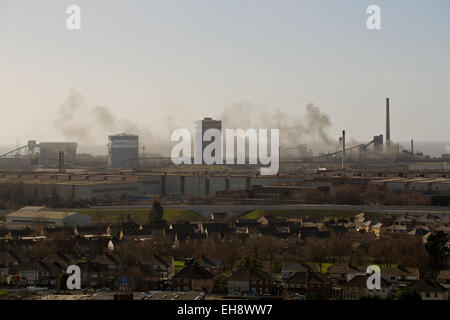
(201, 127)
(123, 153)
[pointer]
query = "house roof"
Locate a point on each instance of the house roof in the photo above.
(309, 278)
(427, 286)
(219, 215)
(216, 227)
(154, 260)
(400, 272)
(291, 267)
(36, 265)
(318, 277)
(247, 274)
(148, 271)
(106, 259)
(419, 231)
(346, 269)
(444, 274)
(405, 218)
(298, 267)
(397, 227)
(10, 257)
(56, 259)
(360, 281)
(298, 278)
(193, 272)
(211, 262)
(40, 214)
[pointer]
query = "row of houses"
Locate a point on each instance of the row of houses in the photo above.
(153, 272)
(421, 225)
(220, 225)
(421, 184)
(306, 281)
(97, 271)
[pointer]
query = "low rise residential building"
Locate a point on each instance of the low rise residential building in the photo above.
(429, 290)
(290, 269)
(193, 277)
(310, 284)
(443, 279)
(356, 288)
(250, 280)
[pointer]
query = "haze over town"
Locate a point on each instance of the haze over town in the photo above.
(177, 63)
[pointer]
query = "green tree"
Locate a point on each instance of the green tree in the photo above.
(438, 250)
(157, 213)
(248, 262)
(346, 194)
(62, 281)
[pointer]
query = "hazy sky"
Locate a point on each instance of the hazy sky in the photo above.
(187, 59)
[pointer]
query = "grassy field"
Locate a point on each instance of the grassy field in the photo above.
(137, 215)
(3, 294)
(256, 214)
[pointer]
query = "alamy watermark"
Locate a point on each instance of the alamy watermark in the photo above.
(73, 21)
(74, 279)
(374, 277)
(374, 19)
(208, 148)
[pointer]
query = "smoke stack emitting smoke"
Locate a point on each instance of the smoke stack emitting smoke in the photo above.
(294, 129)
(85, 123)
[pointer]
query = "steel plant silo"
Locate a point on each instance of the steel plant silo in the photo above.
(123, 151)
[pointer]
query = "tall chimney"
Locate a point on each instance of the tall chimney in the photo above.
(61, 161)
(343, 149)
(388, 125)
(412, 147)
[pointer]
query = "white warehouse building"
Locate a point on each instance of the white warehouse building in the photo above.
(42, 216)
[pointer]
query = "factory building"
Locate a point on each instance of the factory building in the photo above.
(86, 187)
(123, 151)
(194, 186)
(378, 143)
(201, 127)
(239, 183)
(49, 152)
(40, 216)
(216, 184)
(424, 185)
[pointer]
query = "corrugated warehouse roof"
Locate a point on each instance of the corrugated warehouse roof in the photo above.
(24, 213)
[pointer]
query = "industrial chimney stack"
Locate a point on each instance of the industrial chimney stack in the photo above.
(61, 161)
(343, 150)
(388, 125)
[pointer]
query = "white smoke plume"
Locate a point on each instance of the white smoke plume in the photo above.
(84, 123)
(295, 129)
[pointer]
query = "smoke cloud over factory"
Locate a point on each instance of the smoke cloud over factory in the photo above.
(79, 121)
